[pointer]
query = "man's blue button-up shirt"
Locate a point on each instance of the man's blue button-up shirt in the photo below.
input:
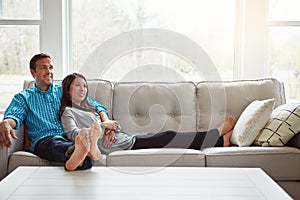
(39, 110)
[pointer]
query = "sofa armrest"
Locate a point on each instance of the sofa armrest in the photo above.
(17, 145)
(295, 141)
(3, 162)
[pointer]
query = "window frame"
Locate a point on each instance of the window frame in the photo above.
(282, 24)
(20, 21)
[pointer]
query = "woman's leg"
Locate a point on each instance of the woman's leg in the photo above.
(153, 140)
(219, 137)
(190, 140)
(172, 139)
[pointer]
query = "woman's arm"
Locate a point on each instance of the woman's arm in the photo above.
(69, 124)
(108, 123)
(110, 127)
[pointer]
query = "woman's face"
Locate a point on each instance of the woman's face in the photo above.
(78, 90)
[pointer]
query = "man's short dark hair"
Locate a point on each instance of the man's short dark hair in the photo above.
(35, 58)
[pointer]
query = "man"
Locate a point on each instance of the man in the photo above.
(39, 107)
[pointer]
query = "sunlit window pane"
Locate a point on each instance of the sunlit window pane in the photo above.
(20, 9)
(284, 59)
(208, 25)
(17, 45)
(284, 10)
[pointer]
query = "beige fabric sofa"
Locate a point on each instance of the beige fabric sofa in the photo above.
(183, 106)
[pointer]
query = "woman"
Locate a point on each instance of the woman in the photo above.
(75, 114)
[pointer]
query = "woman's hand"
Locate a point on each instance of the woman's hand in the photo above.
(110, 124)
(110, 127)
(110, 137)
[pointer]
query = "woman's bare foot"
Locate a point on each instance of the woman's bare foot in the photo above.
(227, 125)
(226, 138)
(226, 130)
(95, 133)
(82, 147)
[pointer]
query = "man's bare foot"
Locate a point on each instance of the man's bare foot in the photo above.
(227, 125)
(82, 147)
(95, 133)
(226, 138)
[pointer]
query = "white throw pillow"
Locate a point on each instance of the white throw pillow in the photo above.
(252, 120)
(283, 125)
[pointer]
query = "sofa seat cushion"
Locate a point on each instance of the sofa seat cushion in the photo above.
(24, 158)
(157, 157)
(281, 163)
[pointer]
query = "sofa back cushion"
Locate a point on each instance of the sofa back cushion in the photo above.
(143, 107)
(101, 90)
(217, 100)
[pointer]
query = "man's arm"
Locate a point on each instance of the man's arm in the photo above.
(98, 106)
(6, 129)
(13, 117)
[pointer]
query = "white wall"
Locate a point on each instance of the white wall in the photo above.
(52, 34)
(254, 43)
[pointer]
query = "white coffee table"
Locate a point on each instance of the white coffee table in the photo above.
(140, 183)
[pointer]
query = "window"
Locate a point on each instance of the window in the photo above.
(201, 21)
(232, 32)
(284, 45)
(19, 40)
(20, 9)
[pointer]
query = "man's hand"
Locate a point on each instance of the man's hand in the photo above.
(5, 131)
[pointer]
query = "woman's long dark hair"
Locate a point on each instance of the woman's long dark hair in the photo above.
(66, 100)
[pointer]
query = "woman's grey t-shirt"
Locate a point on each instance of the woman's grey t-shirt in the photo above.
(74, 119)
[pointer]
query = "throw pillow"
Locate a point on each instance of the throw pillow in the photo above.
(252, 120)
(283, 125)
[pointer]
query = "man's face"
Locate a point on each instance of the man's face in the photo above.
(44, 73)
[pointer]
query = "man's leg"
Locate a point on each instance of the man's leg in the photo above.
(53, 149)
(58, 149)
